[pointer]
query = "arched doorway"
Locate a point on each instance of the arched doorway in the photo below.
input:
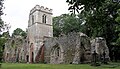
(27, 58)
(56, 55)
(85, 56)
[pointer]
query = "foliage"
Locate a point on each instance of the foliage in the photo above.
(99, 18)
(19, 32)
(1, 25)
(1, 7)
(76, 5)
(57, 26)
(3, 39)
(65, 23)
(1, 29)
(118, 28)
(71, 24)
(99, 15)
(1, 13)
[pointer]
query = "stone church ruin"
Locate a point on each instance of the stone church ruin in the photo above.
(41, 47)
(72, 48)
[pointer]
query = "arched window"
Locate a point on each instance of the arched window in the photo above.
(31, 45)
(58, 51)
(44, 18)
(55, 52)
(32, 19)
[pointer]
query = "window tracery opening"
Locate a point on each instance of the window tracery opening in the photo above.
(44, 18)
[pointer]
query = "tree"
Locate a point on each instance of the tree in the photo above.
(118, 28)
(19, 32)
(57, 26)
(65, 23)
(3, 38)
(1, 13)
(1, 29)
(76, 5)
(71, 24)
(99, 16)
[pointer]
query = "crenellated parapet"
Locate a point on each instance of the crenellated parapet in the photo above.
(41, 8)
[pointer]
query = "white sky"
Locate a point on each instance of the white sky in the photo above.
(17, 11)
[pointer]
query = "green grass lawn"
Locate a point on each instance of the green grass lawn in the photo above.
(57, 66)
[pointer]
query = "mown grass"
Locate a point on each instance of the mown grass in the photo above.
(56, 66)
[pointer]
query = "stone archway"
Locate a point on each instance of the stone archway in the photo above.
(56, 54)
(82, 51)
(85, 56)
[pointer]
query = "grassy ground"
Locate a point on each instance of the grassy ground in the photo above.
(57, 66)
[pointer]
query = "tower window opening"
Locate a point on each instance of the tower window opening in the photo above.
(32, 19)
(44, 18)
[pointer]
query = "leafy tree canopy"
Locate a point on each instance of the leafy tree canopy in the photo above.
(65, 23)
(100, 19)
(19, 32)
(1, 29)
(1, 13)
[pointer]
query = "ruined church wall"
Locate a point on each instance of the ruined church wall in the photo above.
(100, 47)
(15, 50)
(68, 44)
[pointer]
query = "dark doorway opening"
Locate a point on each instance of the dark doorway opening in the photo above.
(27, 58)
(32, 57)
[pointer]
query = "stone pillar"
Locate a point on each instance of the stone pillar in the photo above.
(76, 59)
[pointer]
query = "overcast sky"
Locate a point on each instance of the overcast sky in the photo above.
(17, 11)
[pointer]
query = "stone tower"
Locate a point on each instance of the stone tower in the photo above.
(39, 28)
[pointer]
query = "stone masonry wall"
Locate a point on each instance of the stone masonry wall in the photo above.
(67, 45)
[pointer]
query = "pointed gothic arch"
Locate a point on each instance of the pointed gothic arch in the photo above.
(44, 18)
(56, 54)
